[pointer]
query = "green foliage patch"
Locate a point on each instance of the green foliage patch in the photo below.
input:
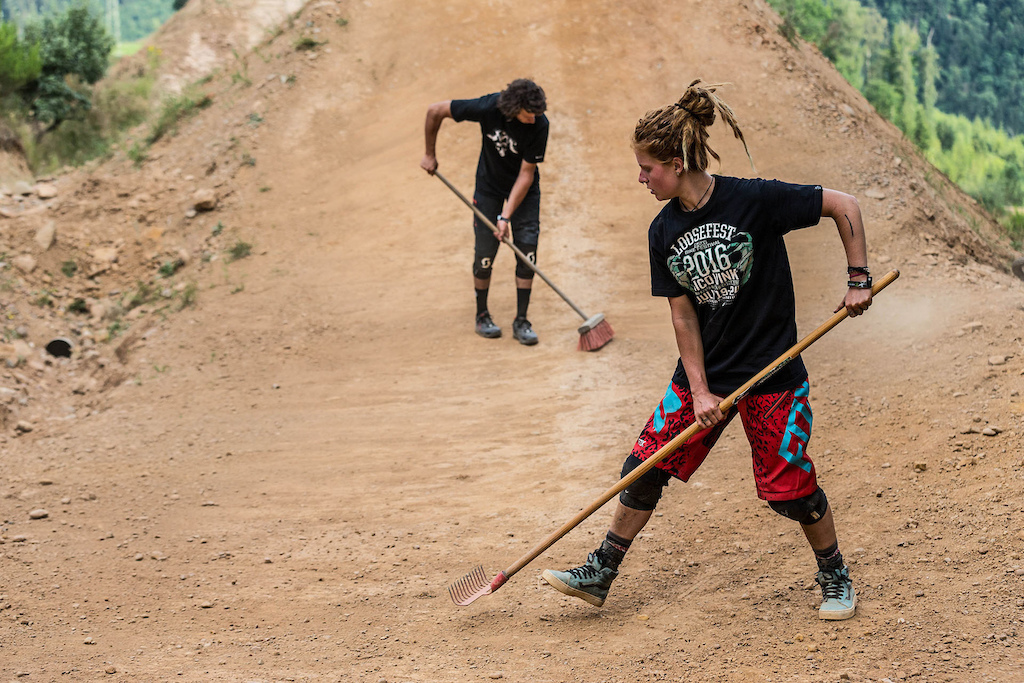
(897, 63)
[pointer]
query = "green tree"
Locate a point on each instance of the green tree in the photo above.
(905, 43)
(927, 137)
(20, 63)
(75, 51)
(854, 34)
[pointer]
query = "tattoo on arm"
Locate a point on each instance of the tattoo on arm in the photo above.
(852, 231)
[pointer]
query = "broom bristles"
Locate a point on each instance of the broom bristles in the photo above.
(596, 337)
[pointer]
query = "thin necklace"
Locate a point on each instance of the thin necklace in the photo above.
(701, 197)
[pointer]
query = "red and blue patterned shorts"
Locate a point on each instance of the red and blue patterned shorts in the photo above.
(778, 427)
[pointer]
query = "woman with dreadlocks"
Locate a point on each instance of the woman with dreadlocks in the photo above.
(717, 254)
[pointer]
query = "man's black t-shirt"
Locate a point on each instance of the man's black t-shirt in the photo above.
(506, 144)
(730, 259)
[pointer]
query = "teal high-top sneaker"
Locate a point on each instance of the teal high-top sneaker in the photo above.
(838, 599)
(589, 582)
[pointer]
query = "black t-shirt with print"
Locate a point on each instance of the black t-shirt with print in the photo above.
(730, 259)
(506, 144)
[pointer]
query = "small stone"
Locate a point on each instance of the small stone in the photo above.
(45, 235)
(46, 191)
(919, 594)
(989, 431)
(89, 641)
(997, 360)
(111, 670)
(206, 604)
(38, 513)
(24, 263)
(496, 675)
(920, 466)
(204, 200)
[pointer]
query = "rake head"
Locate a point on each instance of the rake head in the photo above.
(474, 585)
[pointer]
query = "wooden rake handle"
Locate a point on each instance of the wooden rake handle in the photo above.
(682, 438)
(523, 257)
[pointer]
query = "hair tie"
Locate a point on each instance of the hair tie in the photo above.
(679, 106)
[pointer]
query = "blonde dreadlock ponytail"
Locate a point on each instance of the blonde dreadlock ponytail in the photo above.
(681, 129)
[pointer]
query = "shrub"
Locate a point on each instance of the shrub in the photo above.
(175, 109)
(240, 250)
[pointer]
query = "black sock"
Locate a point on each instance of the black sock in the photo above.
(612, 550)
(481, 301)
(522, 301)
(829, 559)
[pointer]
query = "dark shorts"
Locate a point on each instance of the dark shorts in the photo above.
(525, 230)
(778, 427)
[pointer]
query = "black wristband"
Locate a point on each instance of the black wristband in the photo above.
(858, 270)
(502, 218)
(854, 284)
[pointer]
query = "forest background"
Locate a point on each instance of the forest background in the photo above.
(948, 73)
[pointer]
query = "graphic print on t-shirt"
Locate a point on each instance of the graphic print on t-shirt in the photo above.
(502, 142)
(712, 261)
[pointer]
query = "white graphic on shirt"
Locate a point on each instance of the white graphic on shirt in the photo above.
(712, 261)
(502, 142)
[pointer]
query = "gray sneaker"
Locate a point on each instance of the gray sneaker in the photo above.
(523, 332)
(838, 599)
(485, 326)
(589, 582)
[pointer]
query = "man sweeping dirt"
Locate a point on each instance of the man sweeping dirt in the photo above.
(514, 138)
(717, 254)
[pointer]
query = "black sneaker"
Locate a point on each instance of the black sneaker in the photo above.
(485, 327)
(523, 332)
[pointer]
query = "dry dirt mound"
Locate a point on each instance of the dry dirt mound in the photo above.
(277, 439)
(207, 36)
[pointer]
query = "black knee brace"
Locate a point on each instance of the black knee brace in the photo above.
(645, 492)
(524, 271)
(482, 267)
(807, 510)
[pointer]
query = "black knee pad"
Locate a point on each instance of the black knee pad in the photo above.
(523, 271)
(482, 267)
(645, 492)
(807, 510)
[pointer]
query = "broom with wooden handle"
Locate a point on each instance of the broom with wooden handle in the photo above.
(595, 331)
(475, 584)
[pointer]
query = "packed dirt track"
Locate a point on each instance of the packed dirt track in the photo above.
(278, 481)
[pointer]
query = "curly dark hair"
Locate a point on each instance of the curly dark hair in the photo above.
(521, 94)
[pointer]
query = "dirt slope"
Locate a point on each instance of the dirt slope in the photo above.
(278, 481)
